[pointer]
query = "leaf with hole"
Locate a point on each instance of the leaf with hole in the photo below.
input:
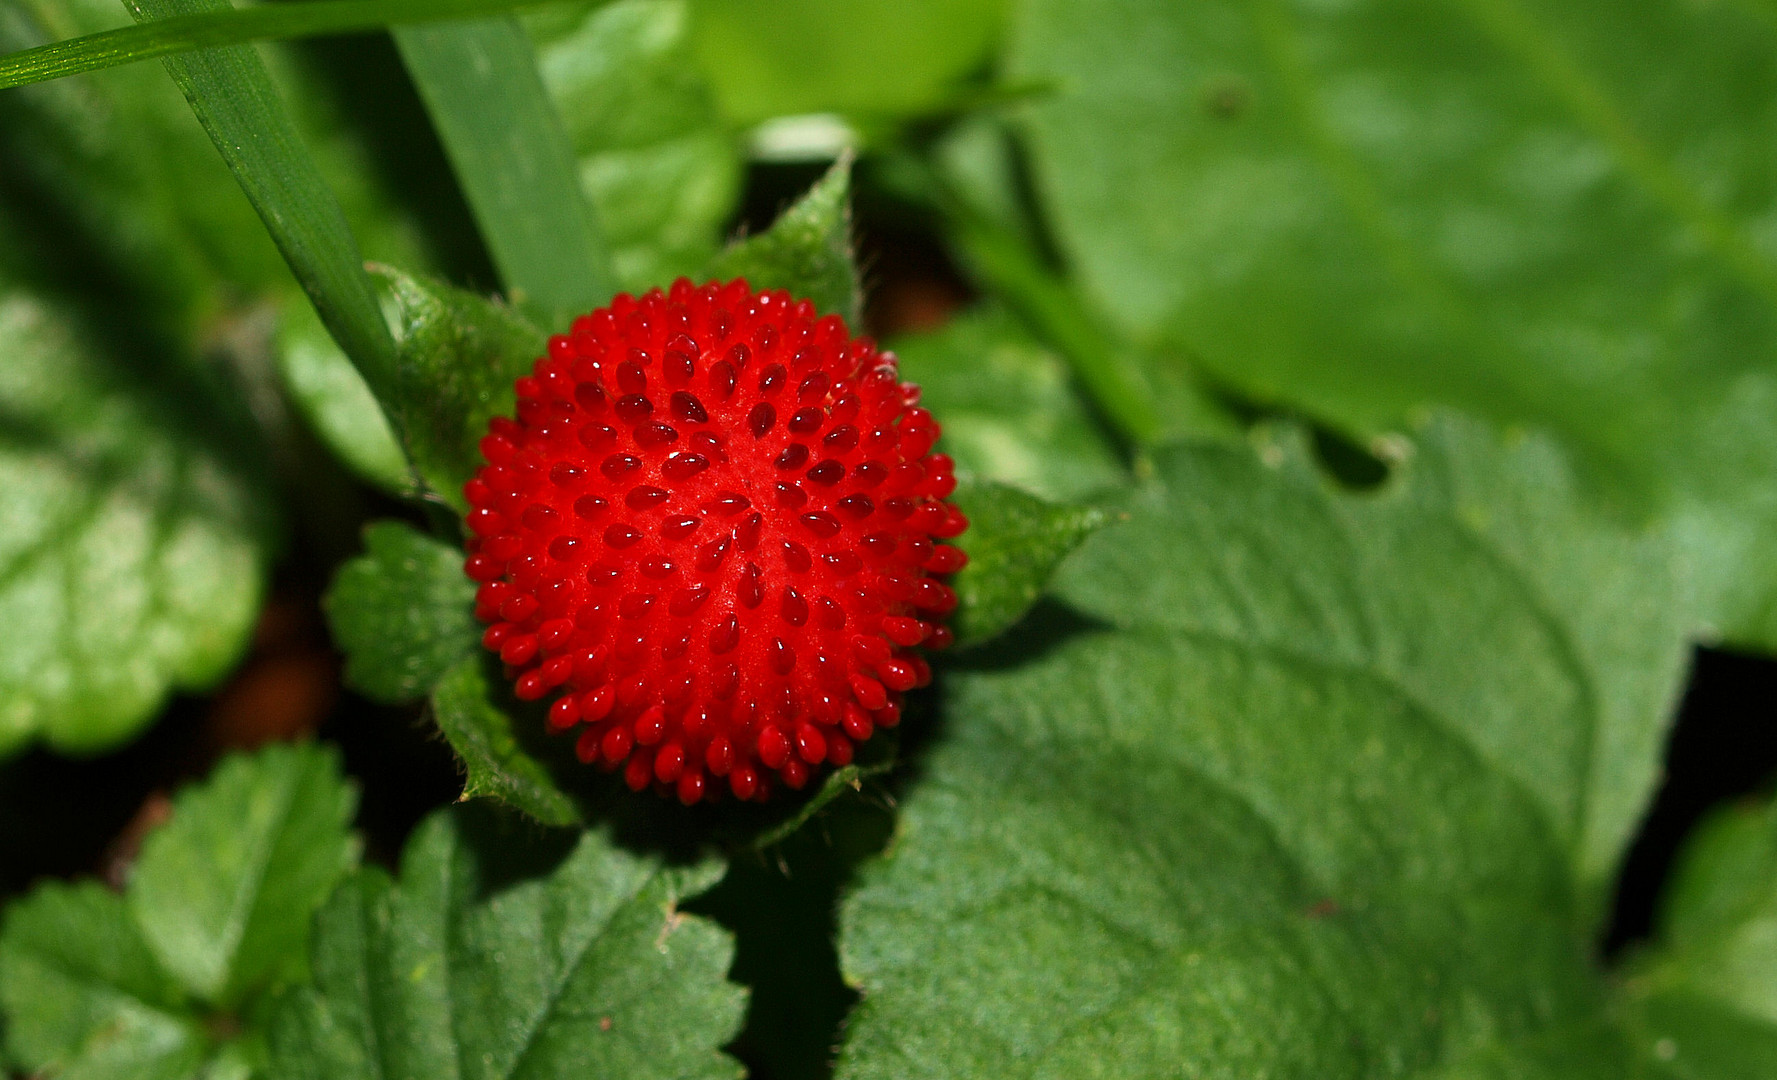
(1299, 783)
(1359, 209)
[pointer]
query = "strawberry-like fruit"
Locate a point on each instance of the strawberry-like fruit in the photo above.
(713, 533)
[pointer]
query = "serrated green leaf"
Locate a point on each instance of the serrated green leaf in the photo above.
(233, 97)
(873, 59)
(134, 552)
(807, 250)
(1007, 407)
(459, 356)
(224, 891)
(660, 168)
(1360, 208)
(1300, 786)
(402, 612)
(1703, 1001)
(475, 713)
(1015, 542)
(84, 997)
(169, 980)
(480, 83)
(467, 968)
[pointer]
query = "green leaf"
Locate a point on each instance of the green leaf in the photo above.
(336, 402)
(1358, 209)
(657, 162)
(1007, 407)
(807, 250)
(480, 84)
(1300, 783)
(872, 59)
(459, 356)
(1015, 541)
(83, 996)
(476, 714)
(402, 613)
(133, 558)
(473, 966)
(1704, 1001)
(224, 891)
(185, 32)
(169, 980)
(232, 94)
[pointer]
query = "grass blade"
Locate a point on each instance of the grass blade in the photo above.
(227, 26)
(233, 97)
(480, 84)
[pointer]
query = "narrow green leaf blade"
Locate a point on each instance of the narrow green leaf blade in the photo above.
(83, 995)
(807, 250)
(520, 956)
(1299, 785)
(402, 612)
(178, 33)
(480, 83)
(134, 555)
(459, 356)
(1703, 1000)
(475, 713)
(224, 891)
(233, 97)
(1015, 542)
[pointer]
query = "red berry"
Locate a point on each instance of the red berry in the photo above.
(710, 534)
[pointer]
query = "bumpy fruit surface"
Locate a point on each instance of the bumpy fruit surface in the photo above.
(713, 533)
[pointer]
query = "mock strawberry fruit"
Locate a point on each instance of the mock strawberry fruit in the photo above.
(713, 533)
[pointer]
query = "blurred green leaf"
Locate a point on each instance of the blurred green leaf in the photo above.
(116, 187)
(169, 980)
(1015, 541)
(874, 59)
(659, 165)
(459, 356)
(480, 84)
(1358, 209)
(402, 613)
(182, 32)
(1301, 785)
(133, 557)
(336, 402)
(232, 94)
(807, 250)
(82, 994)
(475, 713)
(1703, 1001)
(572, 963)
(1008, 409)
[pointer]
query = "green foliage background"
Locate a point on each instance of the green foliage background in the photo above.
(1364, 408)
